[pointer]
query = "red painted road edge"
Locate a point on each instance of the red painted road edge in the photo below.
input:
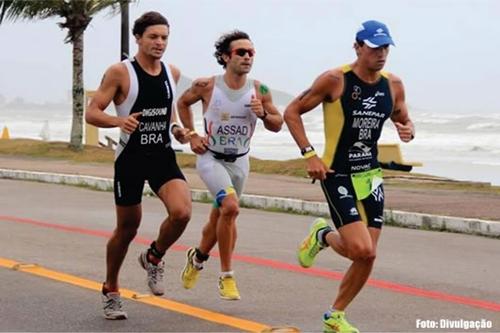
(317, 272)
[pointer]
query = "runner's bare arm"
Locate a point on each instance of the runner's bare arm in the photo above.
(325, 88)
(180, 134)
(176, 73)
(198, 91)
(268, 112)
(195, 93)
(109, 90)
(400, 116)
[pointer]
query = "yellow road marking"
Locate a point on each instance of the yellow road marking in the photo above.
(215, 317)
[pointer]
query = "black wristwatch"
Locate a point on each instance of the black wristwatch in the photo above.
(306, 149)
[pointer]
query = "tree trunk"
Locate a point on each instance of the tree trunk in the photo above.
(76, 141)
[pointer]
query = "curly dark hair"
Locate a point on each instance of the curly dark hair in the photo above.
(223, 43)
(147, 19)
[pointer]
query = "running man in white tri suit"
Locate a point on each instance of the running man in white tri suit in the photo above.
(232, 103)
(143, 91)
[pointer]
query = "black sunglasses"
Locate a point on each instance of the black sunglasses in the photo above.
(242, 52)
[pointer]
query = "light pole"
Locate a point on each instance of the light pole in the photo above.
(124, 51)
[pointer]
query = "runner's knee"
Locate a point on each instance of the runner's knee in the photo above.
(230, 207)
(228, 202)
(221, 196)
(360, 251)
(127, 233)
(180, 215)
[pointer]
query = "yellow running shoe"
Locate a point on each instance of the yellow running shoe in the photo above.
(335, 322)
(228, 289)
(310, 245)
(190, 273)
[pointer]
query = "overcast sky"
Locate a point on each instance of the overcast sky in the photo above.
(447, 51)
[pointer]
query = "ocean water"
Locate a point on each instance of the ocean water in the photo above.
(456, 146)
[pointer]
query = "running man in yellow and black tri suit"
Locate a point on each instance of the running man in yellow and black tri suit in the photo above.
(357, 100)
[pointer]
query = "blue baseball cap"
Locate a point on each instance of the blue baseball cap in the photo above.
(374, 34)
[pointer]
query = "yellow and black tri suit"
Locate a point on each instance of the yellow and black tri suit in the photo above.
(353, 124)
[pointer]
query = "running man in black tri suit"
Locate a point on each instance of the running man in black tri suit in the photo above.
(357, 99)
(143, 91)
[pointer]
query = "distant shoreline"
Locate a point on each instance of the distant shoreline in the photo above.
(457, 146)
(31, 148)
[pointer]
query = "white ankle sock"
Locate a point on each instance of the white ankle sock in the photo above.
(320, 234)
(226, 274)
(196, 264)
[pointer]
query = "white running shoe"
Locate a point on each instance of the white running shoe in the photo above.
(112, 306)
(155, 274)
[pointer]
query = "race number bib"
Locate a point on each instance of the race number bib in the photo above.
(366, 182)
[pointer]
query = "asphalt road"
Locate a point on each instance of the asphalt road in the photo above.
(420, 277)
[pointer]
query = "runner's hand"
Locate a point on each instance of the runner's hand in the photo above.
(256, 107)
(181, 134)
(129, 124)
(198, 143)
(316, 169)
(405, 132)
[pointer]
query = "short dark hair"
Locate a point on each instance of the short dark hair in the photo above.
(360, 42)
(147, 19)
(223, 43)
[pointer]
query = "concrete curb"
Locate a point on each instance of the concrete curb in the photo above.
(400, 218)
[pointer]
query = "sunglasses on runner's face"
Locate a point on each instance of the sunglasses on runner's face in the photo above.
(242, 52)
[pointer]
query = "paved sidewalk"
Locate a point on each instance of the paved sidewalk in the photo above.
(434, 204)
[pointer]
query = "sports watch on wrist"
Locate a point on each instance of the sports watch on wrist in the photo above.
(306, 149)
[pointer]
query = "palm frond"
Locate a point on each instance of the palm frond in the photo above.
(115, 5)
(29, 10)
(32, 10)
(4, 6)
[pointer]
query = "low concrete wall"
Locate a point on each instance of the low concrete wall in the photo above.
(400, 218)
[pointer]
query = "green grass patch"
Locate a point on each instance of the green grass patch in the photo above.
(293, 167)
(55, 150)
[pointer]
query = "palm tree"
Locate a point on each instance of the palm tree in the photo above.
(77, 15)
